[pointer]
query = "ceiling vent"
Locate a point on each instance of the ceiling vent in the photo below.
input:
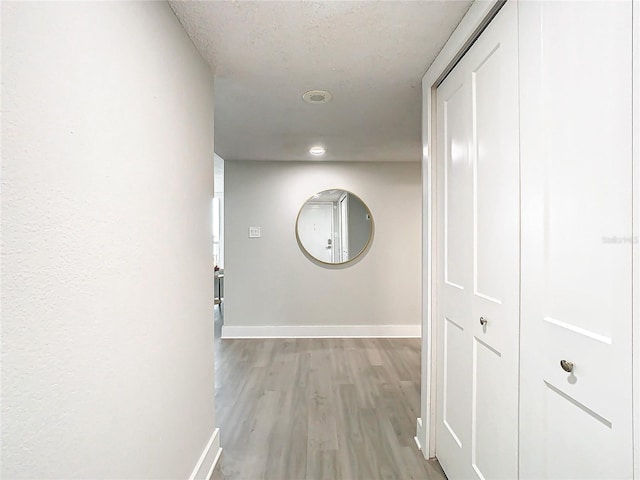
(316, 96)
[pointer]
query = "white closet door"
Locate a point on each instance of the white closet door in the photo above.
(478, 258)
(575, 84)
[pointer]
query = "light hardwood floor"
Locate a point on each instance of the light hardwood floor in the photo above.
(292, 409)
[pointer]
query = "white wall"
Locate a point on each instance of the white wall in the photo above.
(270, 282)
(107, 148)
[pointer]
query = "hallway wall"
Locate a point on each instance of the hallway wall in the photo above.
(107, 172)
(270, 283)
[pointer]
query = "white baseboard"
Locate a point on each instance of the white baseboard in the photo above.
(418, 433)
(415, 439)
(321, 331)
(209, 458)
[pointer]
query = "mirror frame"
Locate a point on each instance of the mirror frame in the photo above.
(356, 258)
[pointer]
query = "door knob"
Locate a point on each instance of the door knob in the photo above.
(566, 365)
(483, 321)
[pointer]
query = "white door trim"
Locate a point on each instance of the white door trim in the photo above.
(480, 13)
(636, 236)
(478, 16)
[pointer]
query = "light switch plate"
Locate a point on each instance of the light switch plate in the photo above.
(254, 232)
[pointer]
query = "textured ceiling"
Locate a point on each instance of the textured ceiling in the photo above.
(370, 55)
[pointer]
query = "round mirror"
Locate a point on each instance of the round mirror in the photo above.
(334, 227)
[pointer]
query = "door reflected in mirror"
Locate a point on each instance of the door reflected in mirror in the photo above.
(334, 227)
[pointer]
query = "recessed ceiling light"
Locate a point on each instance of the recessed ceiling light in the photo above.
(317, 150)
(316, 96)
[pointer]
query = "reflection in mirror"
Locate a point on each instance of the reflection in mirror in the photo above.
(334, 226)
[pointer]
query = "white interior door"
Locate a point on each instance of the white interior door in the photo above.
(315, 229)
(478, 258)
(576, 88)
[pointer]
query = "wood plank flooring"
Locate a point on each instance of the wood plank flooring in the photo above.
(292, 409)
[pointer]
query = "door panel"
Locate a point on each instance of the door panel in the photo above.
(576, 264)
(458, 177)
(455, 274)
(564, 413)
(478, 284)
(455, 415)
(494, 171)
(495, 143)
(487, 408)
